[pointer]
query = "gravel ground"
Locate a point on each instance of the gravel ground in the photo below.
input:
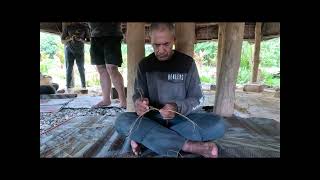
(48, 120)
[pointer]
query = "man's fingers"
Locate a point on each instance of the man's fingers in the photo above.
(135, 148)
(142, 109)
(167, 114)
(139, 113)
(144, 106)
(164, 113)
(141, 106)
(146, 100)
(145, 103)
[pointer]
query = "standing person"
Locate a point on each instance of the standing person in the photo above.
(106, 55)
(73, 37)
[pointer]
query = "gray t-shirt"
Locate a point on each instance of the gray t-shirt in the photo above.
(173, 81)
(100, 29)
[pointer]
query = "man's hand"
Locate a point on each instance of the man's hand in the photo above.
(167, 111)
(76, 38)
(141, 106)
(67, 39)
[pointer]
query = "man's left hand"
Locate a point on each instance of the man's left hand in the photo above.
(167, 111)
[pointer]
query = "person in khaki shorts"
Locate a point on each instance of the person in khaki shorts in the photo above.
(106, 54)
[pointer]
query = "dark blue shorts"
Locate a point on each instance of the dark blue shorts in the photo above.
(106, 50)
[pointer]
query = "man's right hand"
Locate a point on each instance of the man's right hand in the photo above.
(141, 106)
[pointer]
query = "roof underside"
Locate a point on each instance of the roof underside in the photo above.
(204, 31)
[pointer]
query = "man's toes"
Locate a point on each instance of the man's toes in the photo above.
(135, 148)
(214, 151)
(133, 144)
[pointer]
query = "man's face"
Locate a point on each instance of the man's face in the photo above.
(162, 43)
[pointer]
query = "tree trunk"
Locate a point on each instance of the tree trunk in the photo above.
(136, 51)
(256, 54)
(230, 62)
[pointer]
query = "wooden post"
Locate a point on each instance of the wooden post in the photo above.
(135, 42)
(230, 62)
(222, 28)
(256, 54)
(185, 37)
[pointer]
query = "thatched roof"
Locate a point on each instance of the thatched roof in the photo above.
(204, 31)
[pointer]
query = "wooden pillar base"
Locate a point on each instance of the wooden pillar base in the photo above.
(253, 87)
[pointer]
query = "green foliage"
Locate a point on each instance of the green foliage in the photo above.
(270, 53)
(269, 79)
(246, 56)
(87, 57)
(93, 81)
(206, 79)
(207, 51)
(49, 44)
(244, 73)
(43, 68)
(60, 52)
(243, 76)
(124, 50)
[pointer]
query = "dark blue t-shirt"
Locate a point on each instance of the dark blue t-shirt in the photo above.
(111, 29)
(80, 31)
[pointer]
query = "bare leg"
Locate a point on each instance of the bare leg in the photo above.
(117, 81)
(105, 86)
(206, 149)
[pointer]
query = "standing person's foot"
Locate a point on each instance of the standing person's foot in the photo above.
(69, 91)
(84, 90)
(102, 104)
(206, 149)
(123, 105)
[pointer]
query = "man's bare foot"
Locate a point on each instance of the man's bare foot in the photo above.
(135, 147)
(206, 149)
(102, 104)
